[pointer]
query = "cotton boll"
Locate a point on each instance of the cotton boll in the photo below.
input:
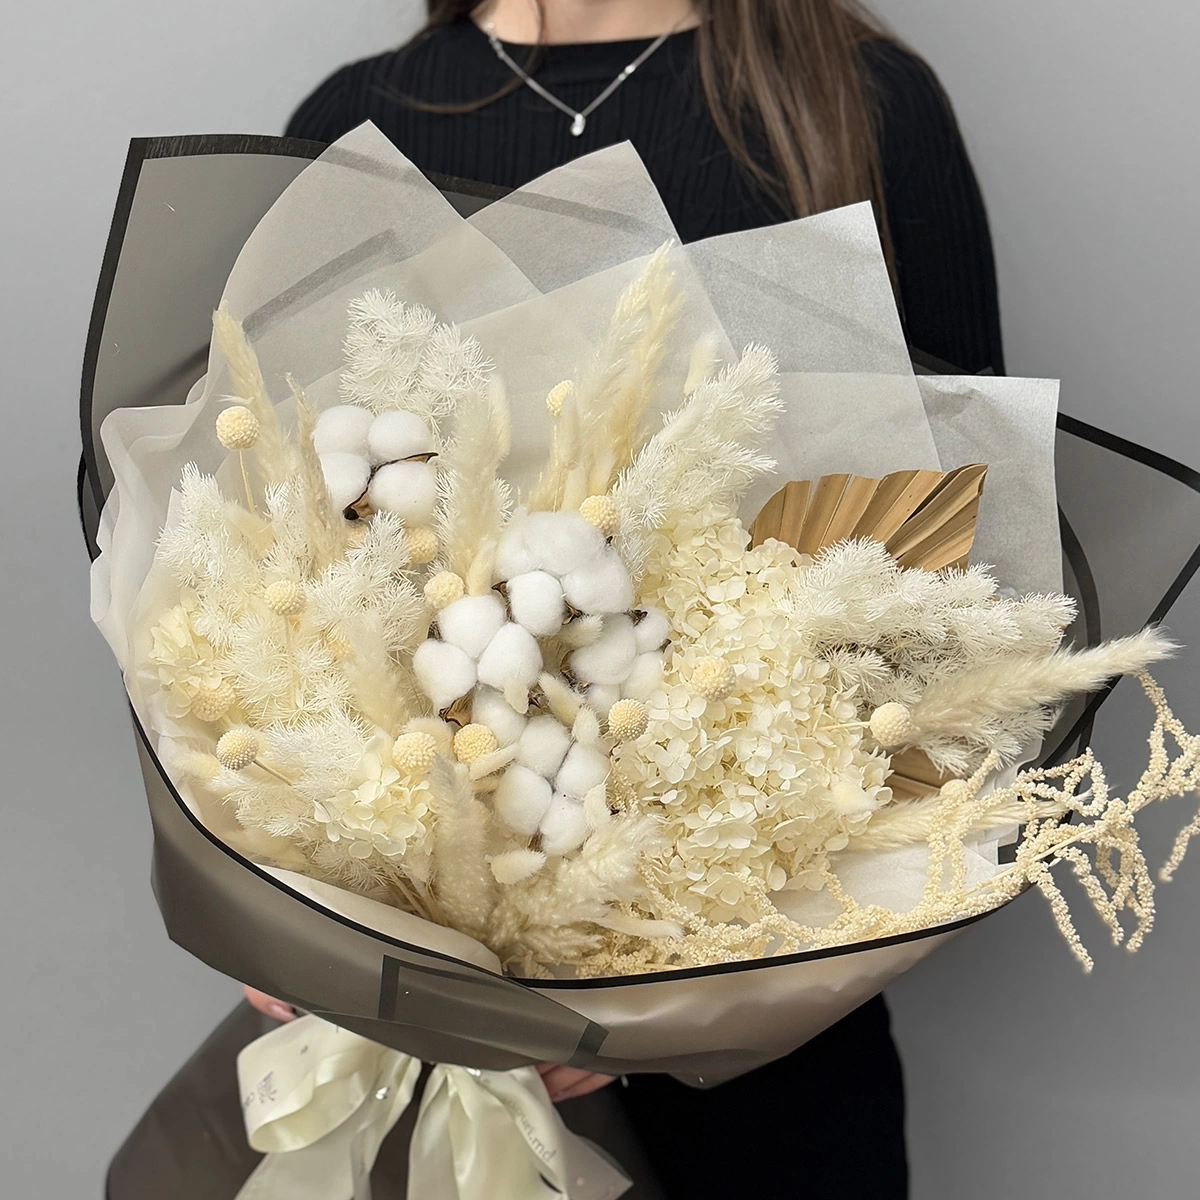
(408, 489)
(396, 435)
(536, 602)
(644, 678)
(472, 622)
(582, 770)
(564, 827)
(560, 542)
(512, 662)
(490, 708)
(600, 586)
(522, 799)
(543, 746)
(343, 430)
(346, 476)
(602, 696)
(653, 630)
(444, 672)
(513, 557)
(609, 657)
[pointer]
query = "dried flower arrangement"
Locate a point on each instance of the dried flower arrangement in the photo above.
(600, 726)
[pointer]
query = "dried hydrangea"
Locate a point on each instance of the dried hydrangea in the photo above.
(185, 661)
(759, 787)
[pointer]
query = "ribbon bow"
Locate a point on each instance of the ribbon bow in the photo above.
(318, 1101)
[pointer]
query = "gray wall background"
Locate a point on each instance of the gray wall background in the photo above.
(1026, 1079)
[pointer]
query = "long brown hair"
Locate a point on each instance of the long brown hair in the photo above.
(787, 73)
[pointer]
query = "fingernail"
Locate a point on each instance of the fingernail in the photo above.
(281, 1011)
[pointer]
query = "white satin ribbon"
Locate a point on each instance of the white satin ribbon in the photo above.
(318, 1101)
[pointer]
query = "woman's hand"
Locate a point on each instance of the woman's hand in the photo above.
(563, 1083)
(566, 1083)
(269, 1006)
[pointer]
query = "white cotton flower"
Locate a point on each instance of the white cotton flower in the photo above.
(444, 672)
(600, 697)
(513, 556)
(512, 662)
(645, 677)
(346, 476)
(652, 629)
(564, 828)
(489, 708)
(583, 769)
(536, 602)
(601, 585)
(472, 622)
(543, 746)
(397, 435)
(608, 659)
(522, 799)
(407, 489)
(343, 430)
(557, 542)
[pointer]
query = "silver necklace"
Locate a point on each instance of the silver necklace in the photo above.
(578, 118)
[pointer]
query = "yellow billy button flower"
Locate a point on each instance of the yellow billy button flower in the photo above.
(238, 748)
(602, 512)
(413, 753)
(473, 742)
(892, 725)
(285, 597)
(212, 703)
(444, 589)
(714, 679)
(628, 720)
(237, 428)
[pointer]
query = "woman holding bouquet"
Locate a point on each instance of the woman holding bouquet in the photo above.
(746, 113)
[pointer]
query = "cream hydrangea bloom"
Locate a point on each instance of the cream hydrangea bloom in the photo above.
(379, 810)
(185, 661)
(757, 788)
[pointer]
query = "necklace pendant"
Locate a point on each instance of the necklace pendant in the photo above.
(578, 125)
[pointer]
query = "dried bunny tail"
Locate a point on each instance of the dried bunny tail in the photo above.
(463, 882)
(566, 447)
(707, 453)
(475, 501)
(326, 527)
(273, 453)
(959, 704)
(381, 688)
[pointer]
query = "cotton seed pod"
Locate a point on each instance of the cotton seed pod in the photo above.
(472, 622)
(892, 725)
(343, 430)
(396, 435)
(515, 866)
(512, 662)
(473, 742)
(407, 489)
(238, 748)
(543, 746)
(602, 585)
(652, 629)
(237, 428)
(444, 589)
(582, 770)
(513, 557)
(608, 659)
(285, 597)
(536, 603)
(714, 679)
(564, 827)
(645, 677)
(346, 477)
(628, 720)
(212, 703)
(602, 512)
(414, 753)
(491, 709)
(444, 672)
(422, 545)
(522, 799)
(559, 542)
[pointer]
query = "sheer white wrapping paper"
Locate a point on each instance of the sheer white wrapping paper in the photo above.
(534, 278)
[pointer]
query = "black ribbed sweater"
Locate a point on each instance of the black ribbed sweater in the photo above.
(938, 224)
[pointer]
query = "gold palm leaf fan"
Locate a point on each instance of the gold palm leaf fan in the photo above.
(925, 520)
